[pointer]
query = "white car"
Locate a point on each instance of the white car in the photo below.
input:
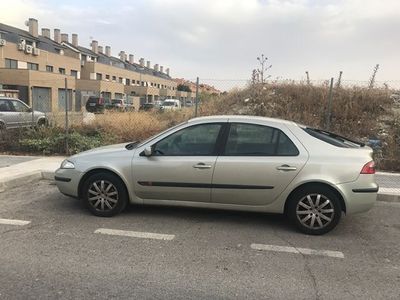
(171, 104)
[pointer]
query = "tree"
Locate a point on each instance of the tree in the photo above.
(183, 88)
(264, 68)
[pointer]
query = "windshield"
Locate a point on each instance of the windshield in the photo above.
(169, 103)
(116, 101)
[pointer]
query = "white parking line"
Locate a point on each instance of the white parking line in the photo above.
(14, 222)
(136, 234)
(306, 251)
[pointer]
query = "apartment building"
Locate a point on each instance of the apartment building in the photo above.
(38, 66)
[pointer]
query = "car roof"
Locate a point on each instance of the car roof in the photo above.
(8, 98)
(241, 118)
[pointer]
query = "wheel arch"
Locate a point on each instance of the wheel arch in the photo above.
(98, 170)
(320, 184)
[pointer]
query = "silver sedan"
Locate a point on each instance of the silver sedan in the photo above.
(230, 162)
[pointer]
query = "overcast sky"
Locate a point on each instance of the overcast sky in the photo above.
(221, 38)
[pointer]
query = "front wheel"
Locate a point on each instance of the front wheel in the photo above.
(314, 210)
(104, 194)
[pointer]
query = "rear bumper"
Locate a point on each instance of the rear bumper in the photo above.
(359, 196)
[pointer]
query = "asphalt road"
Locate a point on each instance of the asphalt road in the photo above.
(210, 255)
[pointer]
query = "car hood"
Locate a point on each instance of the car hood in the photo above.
(116, 148)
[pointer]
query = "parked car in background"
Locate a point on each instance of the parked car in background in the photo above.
(188, 103)
(171, 104)
(230, 162)
(97, 104)
(14, 113)
(147, 106)
(118, 104)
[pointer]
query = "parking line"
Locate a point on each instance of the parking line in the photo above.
(136, 234)
(306, 251)
(14, 222)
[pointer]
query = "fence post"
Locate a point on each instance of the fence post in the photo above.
(66, 117)
(329, 111)
(197, 97)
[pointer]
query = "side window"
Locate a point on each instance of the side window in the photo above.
(198, 140)
(5, 105)
(258, 140)
(19, 107)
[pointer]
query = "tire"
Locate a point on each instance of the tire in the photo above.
(2, 126)
(104, 194)
(310, 203)
(42, 123)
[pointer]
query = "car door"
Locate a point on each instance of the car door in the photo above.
(181, 165)
(24, 114)
(258, 162)
(8, 115)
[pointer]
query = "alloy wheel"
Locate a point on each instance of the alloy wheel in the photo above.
(103, 195)
(315, 211)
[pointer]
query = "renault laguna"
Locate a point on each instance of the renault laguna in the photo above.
(230, 162)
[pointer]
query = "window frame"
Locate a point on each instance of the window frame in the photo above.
(49, 68)
(280, 132)
(10, 61)
(32, 66)
(217, 146)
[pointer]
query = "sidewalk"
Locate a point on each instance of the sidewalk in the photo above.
(18, 170)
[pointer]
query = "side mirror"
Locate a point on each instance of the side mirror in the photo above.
(148, 151)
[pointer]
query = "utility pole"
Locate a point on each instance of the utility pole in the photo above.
(329, 111)
(66, 117)
(339, 82)
(197, 97)
(372, 79)
(308, 78)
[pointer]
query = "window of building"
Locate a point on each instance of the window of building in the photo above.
(128, 81)
(61, 70)
(49, 68)
(74, 73)
(107, 77)
(99, 76)
(33, 66)
(114, 78)
(120, 79)
(11, 63)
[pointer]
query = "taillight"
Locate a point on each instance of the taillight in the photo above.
(369, 168)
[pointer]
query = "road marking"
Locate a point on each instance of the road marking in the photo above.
(14, 222)
(137, 234)
(305, 251)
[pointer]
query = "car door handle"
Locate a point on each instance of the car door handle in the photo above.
(202, 166)
(286, 168)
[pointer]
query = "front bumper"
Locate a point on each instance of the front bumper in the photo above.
(67, 181)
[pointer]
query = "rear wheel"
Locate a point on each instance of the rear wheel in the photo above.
(104, 194)
(314, 210)
(2, 126)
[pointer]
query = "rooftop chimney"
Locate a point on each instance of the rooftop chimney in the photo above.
(57, 36)
(141, 62)
(33, 27)
(131, 61)
(95, 46)
(108, 50)
(156, 67)
(167, 71)
(161, 69)
(64, 37)
(75, 39)
(148, 64)
(46, 32)
(122, 55)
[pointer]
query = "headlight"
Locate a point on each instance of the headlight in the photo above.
(66, 164)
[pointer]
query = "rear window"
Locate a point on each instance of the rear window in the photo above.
(93, 99)
(332, 138)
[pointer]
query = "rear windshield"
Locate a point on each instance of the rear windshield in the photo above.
(93, 99)
(332, 138)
